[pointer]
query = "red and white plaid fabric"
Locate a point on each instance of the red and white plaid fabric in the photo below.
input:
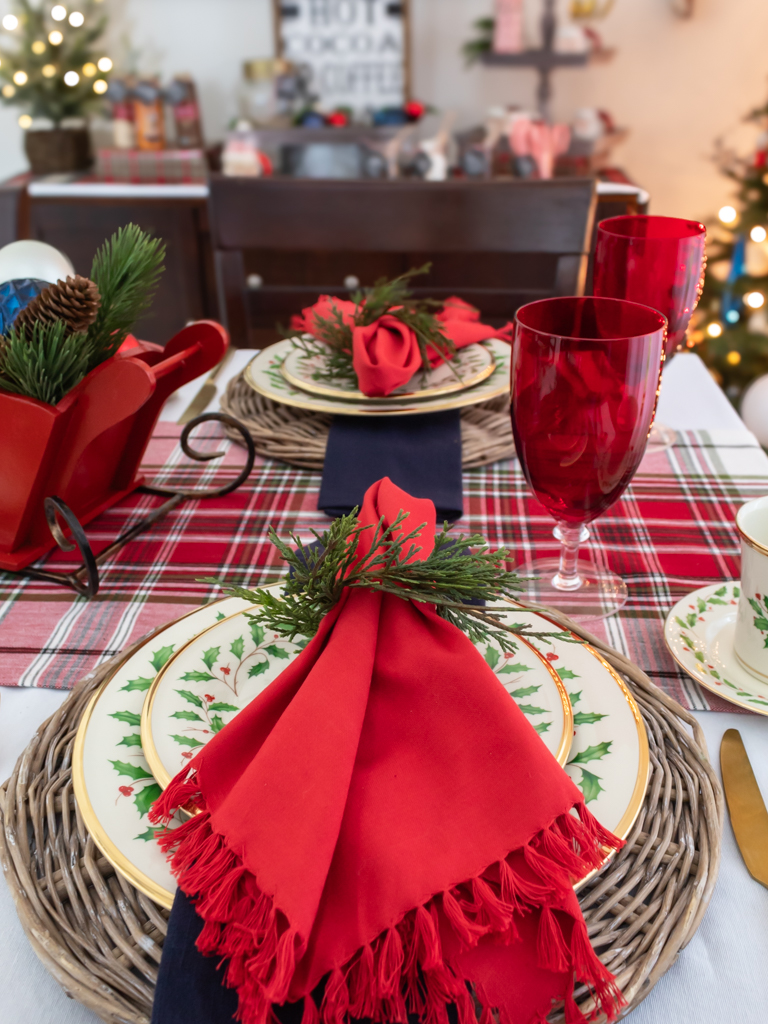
(671, 532)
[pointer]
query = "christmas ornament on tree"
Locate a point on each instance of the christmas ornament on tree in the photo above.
(75, 302)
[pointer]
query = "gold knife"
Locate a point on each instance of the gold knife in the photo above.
(206, 392)
(749, 817)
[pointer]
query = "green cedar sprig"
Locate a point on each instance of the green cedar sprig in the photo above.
(395, 299)
(457, 571)
(45, 363)
(127, 269)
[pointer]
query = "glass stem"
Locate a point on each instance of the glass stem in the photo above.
(567, 577)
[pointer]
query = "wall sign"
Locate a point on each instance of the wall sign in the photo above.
(357, 50)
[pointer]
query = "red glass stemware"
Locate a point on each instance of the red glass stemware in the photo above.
(584, 385)
(657, 261)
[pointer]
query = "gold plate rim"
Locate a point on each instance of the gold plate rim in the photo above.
(459, 401)
(108, 848)
(336, 395)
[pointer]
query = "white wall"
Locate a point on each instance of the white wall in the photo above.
(676, 84)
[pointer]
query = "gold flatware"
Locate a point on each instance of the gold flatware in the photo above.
(749, 817)
(206, 392)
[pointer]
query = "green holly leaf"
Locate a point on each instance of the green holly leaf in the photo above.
(729, 683)
(691, 620)
(134, 740)
(220, 706)
(187, 716)
(257, 669)
(210, 657)
(257, 633)
(196, 677)
(701, 604)
(217, 723)
(149, 834)
(716, 600)
(524, 691)
(681, 624)
(237, 647)
(187, 741)
(514, 669)
(715, 674)
(301, 642)
(761, 623)
(587, 717)
(160, 657)
(147, 797)
(133, 771)
(736, 592)
(565, 673)
(699, 656)
(575, 697)
(492, 656)
(220, 616)
(593, 753)
(277, 652)
(755, 606)
(530, 709)
(137, 684)
(192, 698)
(590, 785)
(541, 727)
(129, 717)
(721, 592)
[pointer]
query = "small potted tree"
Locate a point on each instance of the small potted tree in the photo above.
(53, 67)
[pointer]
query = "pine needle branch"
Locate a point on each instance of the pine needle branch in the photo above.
(43, 363)
(459, 570)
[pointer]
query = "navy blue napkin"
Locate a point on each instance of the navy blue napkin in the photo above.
(421, 454)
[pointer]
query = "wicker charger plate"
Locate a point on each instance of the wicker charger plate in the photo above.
(102, 939)
(299, 436)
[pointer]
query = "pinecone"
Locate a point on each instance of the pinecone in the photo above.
(76, 301)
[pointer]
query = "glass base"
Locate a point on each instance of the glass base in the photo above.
(600, 594)
(660, 438)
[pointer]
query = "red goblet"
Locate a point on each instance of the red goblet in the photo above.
(658, 261)
(584, 385)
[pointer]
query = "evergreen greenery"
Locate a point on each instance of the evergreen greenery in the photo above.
(44, 93)
(452, 576)
(44, 362)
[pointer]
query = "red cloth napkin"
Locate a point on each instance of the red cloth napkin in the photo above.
(383, 815)
(385, 354)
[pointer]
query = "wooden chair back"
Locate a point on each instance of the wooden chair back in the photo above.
(279, 243)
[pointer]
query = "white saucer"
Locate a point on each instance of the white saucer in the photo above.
(699, 633)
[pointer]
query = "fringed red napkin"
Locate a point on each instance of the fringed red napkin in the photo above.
(386, 353)
(385, 817)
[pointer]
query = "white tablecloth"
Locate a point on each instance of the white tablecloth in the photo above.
(720, 978)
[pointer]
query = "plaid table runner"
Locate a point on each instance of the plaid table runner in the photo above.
(671, 532)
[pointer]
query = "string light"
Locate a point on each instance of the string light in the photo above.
(55, 38)
(25, 121)
(105, 64)
(38, 47)
(71, 78)
(58, 13)
(758, 234)
(732, 316)
(755, 300)
(734, 358)
(20, 77)
(76, 19)
(100, 86)
(714, 330)
(10, 22)
(9, 90)
(89, 70)
(49, 70)
(728, 215)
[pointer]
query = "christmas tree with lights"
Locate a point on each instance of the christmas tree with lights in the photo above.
(731, 327)
(50, 62)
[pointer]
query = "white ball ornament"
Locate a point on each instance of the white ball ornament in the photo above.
(754, 409)
(36, 260)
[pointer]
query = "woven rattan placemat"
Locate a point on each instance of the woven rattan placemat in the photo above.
(299, 436)
(101, 939)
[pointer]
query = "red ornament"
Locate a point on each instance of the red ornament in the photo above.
(338, 119)
(414, 110)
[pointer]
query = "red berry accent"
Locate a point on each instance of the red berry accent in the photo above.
(552, 657)
(126, 790)
(509, 654)
(226, 670)
(187, 754)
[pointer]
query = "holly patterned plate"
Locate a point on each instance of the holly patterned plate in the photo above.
(113, 785)
(264, 374)
(204, 685)
(306, 367)
(699, 633)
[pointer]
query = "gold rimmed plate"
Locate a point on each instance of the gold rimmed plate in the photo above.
(265, 375)
(306, 368)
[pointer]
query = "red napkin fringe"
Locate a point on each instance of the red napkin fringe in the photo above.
(404, 969)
